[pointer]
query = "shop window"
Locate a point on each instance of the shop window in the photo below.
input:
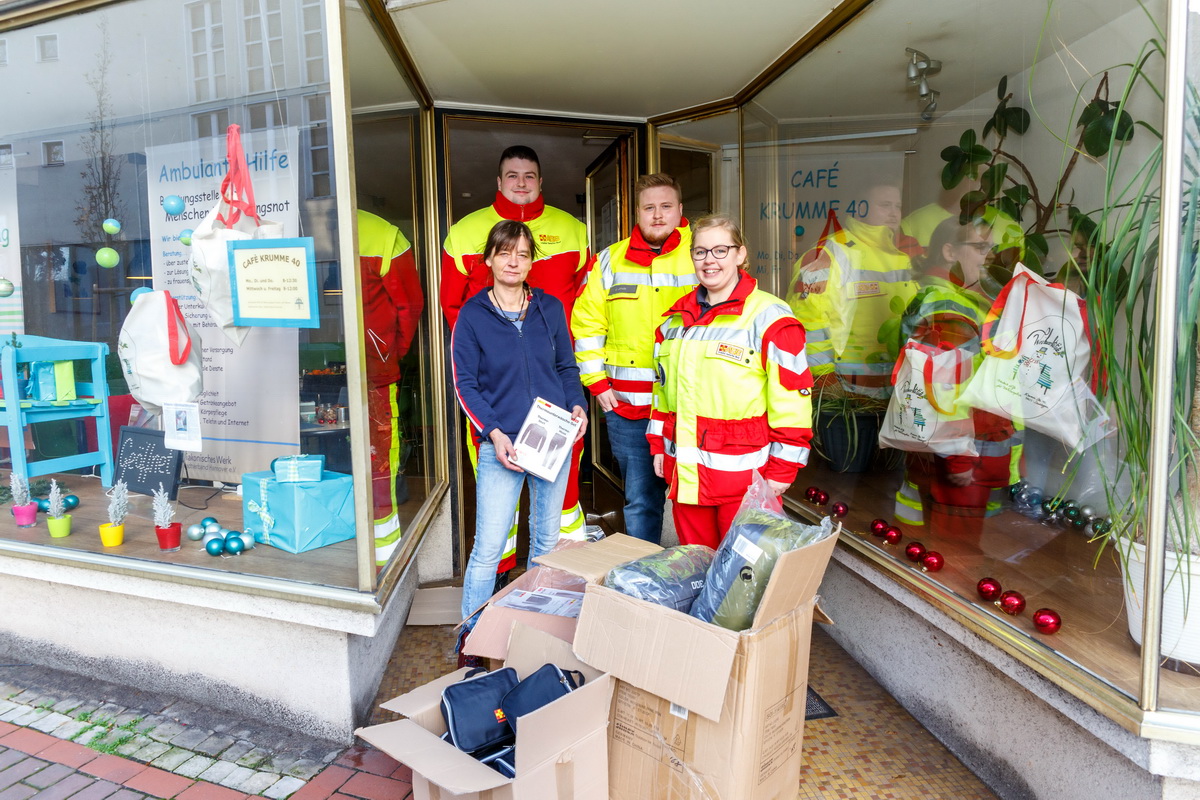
(211, 123)
(316, 113)
(52, 154)
(262, 116)
(3, 52)
(206, 50)
(262, 29)
(6, 156)
(47, 47)
(313, 41)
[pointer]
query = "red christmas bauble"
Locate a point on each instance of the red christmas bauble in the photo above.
(1047, 621)
(913, 551)
(989, 589)
(840, 509)
(1011, 603)
(822, 497)
(932, 561)
(892, 535)
(810, 493)
(878, 526)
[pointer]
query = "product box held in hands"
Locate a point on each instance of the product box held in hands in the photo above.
(562, 750)
(700, 711)
(545, 439)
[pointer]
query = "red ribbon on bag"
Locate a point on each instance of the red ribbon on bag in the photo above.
(176, 330)
(236, 189)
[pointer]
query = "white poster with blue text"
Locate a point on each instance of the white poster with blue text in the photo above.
(12, 314)
(248, 410)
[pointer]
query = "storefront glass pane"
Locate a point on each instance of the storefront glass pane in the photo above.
(966, 402)
(703, 156)
(400, 395)
(1180, 647)
(117, 145)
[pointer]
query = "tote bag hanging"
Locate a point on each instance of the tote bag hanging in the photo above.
(235, 216)
(160, 356)
(1037, 361)
(924, 415)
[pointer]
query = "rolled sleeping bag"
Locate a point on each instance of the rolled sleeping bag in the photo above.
(672, 577)
(743, 564)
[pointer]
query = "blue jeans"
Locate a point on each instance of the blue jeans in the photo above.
(645, 492)
(497, 490)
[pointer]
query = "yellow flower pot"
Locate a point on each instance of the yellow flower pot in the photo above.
(112, 535)
(59, 526)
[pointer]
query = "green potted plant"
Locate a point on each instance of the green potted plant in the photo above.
(112, 533)
(168, 532)
(57, 518)
(24, 509)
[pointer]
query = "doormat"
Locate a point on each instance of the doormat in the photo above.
(815, 707)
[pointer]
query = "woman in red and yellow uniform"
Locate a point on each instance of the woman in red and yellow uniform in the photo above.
(733, 393)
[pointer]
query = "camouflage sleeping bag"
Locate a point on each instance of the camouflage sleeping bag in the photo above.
(671, 577)
(743, 564)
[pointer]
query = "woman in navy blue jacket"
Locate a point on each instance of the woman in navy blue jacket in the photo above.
(510, 346)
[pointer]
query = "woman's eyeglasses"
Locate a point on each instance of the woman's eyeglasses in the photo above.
(718, 252)
(983, 248)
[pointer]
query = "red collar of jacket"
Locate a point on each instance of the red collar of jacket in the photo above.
(510, 210)
(642, 254)
(689, 304)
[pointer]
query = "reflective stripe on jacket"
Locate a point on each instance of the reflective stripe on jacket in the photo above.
(391, 296)
(733, 395)
(627, 289)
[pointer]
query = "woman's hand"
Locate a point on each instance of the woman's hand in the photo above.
(658, 465)
(777, 487)
(505, 452)
(580, 413)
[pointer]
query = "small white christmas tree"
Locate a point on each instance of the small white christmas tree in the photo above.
(118, 503)
(164, 512)
(58, 508)
(20, 489)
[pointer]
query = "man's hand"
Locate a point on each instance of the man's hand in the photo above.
(607, 399)
(777, 487)
(658, 465)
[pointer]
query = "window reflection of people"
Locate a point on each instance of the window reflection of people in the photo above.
(948, 311)
(628, 287)
(1008, 239)
(849, 290)
(392, 304)
(511, 346)
(562, 253)
(734, 390)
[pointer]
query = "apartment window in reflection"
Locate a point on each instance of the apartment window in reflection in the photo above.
(262, 25)
(211, 123)
(316, 120)
(206, 50)
(312, 21)
(272, 114)
(52, 154)
(47, 47)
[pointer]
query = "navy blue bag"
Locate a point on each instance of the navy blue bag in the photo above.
(471, 708)
(542, 687)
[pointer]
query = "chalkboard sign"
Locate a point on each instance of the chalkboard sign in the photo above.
(143, 461)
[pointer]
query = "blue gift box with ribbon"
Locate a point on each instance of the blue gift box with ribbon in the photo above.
(293, 469)
(298, 516)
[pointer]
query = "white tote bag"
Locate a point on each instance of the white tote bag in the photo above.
(1037, 362)
(235, 216)
(924, 415)
(160, 356)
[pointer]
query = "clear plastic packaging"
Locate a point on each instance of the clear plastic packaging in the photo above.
(672, 577)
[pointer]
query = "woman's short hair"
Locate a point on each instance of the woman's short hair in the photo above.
(720, 221)
(506, 234)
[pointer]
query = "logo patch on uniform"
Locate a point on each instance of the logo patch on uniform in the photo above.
(622, 288)
(867, 289)
(548, 238)
(732, 352)
(500, 718)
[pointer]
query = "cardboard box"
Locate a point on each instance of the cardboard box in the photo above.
(562, 748)
(701, 711)
(489, 638)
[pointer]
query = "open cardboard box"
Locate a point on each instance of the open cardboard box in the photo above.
(561, 748)
(701, 711)
(489, 638)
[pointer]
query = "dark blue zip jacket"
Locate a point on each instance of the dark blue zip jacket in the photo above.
(499, 370)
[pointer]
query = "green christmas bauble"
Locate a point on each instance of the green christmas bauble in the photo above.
(7, 287)
(185, 237)
(107, 257)
(111, 226)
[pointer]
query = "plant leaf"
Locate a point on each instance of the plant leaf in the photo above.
(949, 153)
(1124, 126)
(1002, 87)
(1008, 207)
(952, 173)
(1091, 112)
(1036, 243)
(1097, 135)
(979, 154)
(967, 140)
(1019, 194)
(992, 179)
(972, 205)
(1018, 120)
(987, 128)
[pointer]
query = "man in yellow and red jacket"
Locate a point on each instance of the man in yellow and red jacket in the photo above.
(558, 268)
(628, 287)
(392, 305)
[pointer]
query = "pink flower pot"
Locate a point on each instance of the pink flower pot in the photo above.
(26, 515)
